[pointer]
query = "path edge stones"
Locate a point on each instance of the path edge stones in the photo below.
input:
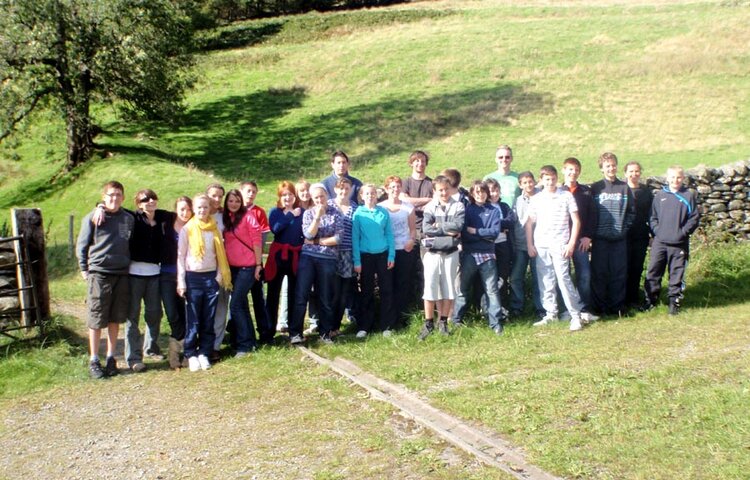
(488, 449)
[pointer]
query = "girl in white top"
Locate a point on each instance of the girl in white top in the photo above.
(404, 225)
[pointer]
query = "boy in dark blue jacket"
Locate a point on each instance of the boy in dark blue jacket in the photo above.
(478, 236)
(674, 217)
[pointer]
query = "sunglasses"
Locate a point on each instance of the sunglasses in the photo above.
(147, 198)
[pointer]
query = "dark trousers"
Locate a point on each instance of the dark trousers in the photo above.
(261, 314)
(636, 256)
(376, 264)
(318, 272)
(609, 270)
(676, 258)
(202, 295)
(283, 269)
(403, 283)
(504, 261)
(174, 305)
(344, 293)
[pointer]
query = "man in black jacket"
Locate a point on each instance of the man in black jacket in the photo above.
(674, 217)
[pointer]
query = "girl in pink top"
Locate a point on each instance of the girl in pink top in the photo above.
(242, 240)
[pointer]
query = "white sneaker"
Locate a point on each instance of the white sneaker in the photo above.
(194, 364)
(587, 317)
(204, 363)
(575, 324)
(387, 333)
(546, 320)
(361, 334)
(565, 316)
(310, 331)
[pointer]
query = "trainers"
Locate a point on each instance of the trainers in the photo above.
(95, 370)
(565, 316)
(157, 357)
(498, 330)
(194, 364)
(674, 306)
(443, 326)
(575, 324)
(310, 331)
(204, 362)
(362, 334)
(587, 317)
(326, 339)
(297, 340)
(429, 326)
(138, 367)
(110, 368)
(241, 354)
(387, 333)
(456, 323)
(282, 328)
(546, 320)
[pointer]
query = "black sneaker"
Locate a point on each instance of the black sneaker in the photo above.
(95, 370)
(443, 327)
(110, 368)
(297, 340)
(429, 326)
(674, 306)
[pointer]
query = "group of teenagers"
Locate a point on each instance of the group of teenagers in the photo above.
(341, 247)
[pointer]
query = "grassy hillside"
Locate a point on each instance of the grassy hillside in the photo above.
(660, 84)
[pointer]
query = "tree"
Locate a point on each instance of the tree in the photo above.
(69, 53)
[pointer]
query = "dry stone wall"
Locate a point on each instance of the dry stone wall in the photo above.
(723, 197)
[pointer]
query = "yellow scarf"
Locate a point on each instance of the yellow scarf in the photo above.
(195, 228)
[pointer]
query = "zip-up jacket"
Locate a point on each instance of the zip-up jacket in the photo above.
(442, 220)
(486, 219)
(145, 243)
(674, 216)
(615, 209)
(372, 233)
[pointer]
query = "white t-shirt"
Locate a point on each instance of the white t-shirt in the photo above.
(551, 212)
(400, 223)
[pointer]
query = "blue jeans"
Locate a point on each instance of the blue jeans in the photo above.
(243, 279)
(487, 273)
(521, 261)
(582, 266)
(146, 289)
(202, 296)
(321, 273)
(174, 305)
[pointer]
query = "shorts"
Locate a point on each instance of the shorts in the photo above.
(108, 299)
(440, 275)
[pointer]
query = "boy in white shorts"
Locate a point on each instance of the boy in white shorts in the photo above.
(441, 228)
(552, 242)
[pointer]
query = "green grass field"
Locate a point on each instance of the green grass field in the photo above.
(660, 82)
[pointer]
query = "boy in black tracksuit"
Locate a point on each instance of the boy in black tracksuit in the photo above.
(615, 211)
(674, 217)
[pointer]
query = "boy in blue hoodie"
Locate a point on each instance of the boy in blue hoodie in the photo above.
(674, 217)
(481, 228)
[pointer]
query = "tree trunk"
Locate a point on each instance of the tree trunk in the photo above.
(80, 139)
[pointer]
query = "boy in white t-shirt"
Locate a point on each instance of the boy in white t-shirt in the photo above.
(552, 242)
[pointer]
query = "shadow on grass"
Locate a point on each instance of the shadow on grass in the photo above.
(244, 137)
